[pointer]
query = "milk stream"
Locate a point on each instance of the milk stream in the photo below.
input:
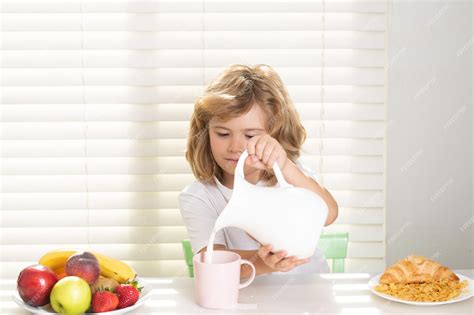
(210, 247)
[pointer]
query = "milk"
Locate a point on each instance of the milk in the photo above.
(210, 247)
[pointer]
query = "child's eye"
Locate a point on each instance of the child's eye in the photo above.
(226, 134)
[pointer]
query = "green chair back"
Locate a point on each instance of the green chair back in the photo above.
(333, 246)
(188, 256)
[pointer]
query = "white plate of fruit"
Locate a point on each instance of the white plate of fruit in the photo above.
(77, 282)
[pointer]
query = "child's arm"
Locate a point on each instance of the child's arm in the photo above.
(296, 177)
(263, 260)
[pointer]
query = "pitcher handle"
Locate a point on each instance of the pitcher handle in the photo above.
(279, 175)
(239, 171)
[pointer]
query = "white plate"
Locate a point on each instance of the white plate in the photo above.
(466, 294)
(47, 309)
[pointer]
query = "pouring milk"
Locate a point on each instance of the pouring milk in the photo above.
(288, 217)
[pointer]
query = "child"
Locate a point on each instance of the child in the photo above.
(245, 108)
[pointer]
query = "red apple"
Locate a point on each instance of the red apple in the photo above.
(35, 283)
(84, 265)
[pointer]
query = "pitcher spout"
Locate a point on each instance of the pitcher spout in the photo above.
(221, 221)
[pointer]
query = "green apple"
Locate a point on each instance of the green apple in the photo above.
(71, 295)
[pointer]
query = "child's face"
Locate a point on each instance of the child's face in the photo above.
(229, 139)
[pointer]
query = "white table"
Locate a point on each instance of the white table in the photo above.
(272, 294)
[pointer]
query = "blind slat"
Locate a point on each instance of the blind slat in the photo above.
(144, 217)
(143, 234)
(58, 201)
(169, 165)
(96, 217)
(359, 233)
(86, 235)
(147, 200)
(182, 6)
(164, 147)
(151, 183)
(180, 76)
(170, 112)
(171, 94)
(176, 58)
(193, 40)
(166, 130)
(165, 22)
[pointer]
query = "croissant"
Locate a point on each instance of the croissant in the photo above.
(417, 269)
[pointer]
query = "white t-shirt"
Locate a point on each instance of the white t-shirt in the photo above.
(201, 203)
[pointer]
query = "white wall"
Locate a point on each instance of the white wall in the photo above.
(429, 132)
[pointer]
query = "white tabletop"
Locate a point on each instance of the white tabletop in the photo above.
(283, 294)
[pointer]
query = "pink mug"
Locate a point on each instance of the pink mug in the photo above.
(217, 285)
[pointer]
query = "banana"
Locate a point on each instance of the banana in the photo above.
(114, 268)
(57, 258)
(60, 270)
(109, 267)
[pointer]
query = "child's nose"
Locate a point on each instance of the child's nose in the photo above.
(237, 145)
(237, 149)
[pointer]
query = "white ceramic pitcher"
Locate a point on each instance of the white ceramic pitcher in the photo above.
(287, 217)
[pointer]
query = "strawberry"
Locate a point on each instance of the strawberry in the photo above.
(104, 301)
(128, 293)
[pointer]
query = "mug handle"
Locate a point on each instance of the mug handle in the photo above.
(252, 277)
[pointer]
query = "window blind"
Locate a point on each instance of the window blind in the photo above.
(96, 100)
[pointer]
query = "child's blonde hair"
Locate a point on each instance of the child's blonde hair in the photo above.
(232, 94)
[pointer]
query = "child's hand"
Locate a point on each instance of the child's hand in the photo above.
(263, 151)
(278, 261)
